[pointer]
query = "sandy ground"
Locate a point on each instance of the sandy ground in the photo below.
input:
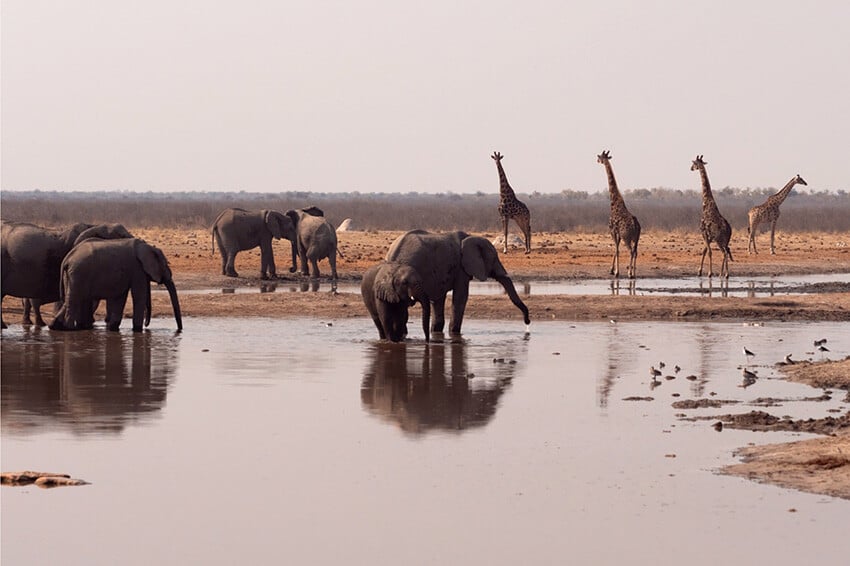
(821, 465)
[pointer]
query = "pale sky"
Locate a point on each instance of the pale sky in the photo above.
(396, 96)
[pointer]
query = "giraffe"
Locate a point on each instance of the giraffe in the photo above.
(712, 225)
(512, 207)
(768, 211)
(623, 225)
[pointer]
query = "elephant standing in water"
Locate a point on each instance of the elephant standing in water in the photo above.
(237, 230)
(389, 289)
(110, 269)
(315, 240)
(448, 262)
(32, 256)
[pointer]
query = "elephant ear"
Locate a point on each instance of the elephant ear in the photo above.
(385, 286)
(153, 262)
(294, 216)
(476, 257)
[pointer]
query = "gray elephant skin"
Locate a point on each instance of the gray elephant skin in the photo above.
(110, 269)
(389, 289)
(32, 256)
(315, 240)
(237, 230)
(448, 262)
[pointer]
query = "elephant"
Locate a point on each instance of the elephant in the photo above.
(389, 289)
(32, 255)
(315, 240)
(448, 262)
(32, 305)
(236, 230)
(110, 269)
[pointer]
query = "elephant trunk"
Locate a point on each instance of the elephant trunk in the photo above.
(175, 304)
(509, 288)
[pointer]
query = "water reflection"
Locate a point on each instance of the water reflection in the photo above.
(422, 388)
(615, 286)
(86, 382)
(710, 288)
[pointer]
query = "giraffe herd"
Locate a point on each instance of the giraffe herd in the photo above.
(624, 226)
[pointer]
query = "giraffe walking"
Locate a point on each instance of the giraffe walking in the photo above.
(623, 224)
(768, 211)
(713, 227)
(512, 207)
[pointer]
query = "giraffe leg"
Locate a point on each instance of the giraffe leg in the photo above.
(505, 243)
(751, 246)
(772, 234)
(710, 262)
(702, 260)
(615, 263)
(633, 261)
(524, 224)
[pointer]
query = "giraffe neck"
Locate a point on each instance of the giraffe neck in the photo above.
(707, 197)
(505, 190)
(780, 197)
(616, 197)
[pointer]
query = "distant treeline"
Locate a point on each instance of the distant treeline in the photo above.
(662, 209)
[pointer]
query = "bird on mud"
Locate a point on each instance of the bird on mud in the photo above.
(820, 342)
(654, 372)
(788, 361)
(747, 354)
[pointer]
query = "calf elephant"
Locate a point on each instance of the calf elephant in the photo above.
(448, 262)
(315, 240)
(110, 269)
(236, 230)
(32, 255)
(389, 289)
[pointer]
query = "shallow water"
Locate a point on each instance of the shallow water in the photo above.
(766, 286)
(307, 441)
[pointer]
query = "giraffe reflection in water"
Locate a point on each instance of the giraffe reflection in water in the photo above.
(86, 382)
(423, 388)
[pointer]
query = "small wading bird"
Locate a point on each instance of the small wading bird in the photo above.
(823, 348)
(654, 372)
(788, 360)
(747, 353)
(820, 342)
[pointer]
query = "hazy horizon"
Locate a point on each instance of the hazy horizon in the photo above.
(379, 96)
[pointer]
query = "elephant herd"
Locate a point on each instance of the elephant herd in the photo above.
(85, 264)
(80, 267)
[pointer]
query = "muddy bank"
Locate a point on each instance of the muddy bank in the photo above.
(820, 465)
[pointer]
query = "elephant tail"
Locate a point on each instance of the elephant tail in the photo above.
(339, 252)
(214, 238)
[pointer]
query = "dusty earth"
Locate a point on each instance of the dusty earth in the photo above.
(820, 465)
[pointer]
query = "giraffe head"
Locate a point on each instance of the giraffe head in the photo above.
(698, 163)
(799, 180)
(603, 157)
(497, 157)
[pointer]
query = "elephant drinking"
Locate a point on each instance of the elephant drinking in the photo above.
(448, 262)
(389, 289)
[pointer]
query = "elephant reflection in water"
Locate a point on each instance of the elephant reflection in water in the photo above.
(90, 382)
(421, 388)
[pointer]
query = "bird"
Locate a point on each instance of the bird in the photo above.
(747, 353)
(677, 369)
(654, 372)
(788, 360)
(661, 365)
(820, 342)
(823, 348)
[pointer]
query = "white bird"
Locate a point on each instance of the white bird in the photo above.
(823, 348)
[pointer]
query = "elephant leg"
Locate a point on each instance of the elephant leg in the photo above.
(115, 310)
(2, 324)
(314, 268)
(332, 262)
(228, 263)
(36, 307)
(459, 298)
(141, 303)
(379, 325)
(439, 314)
(302, 256)
(267, 267)
(27, 306)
